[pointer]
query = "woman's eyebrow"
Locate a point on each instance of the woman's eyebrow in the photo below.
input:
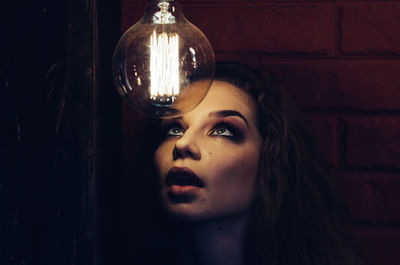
(225, 113)
(167, 122)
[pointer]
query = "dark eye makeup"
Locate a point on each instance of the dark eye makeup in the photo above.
(227, 130)
(173, 128)
(220, 129)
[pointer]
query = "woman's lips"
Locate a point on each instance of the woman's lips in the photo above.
(182, 181)
(183, 190)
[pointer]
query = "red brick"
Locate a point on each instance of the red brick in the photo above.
(371, 198)
(372, 142)
(305, 29)
(309, 82)
(335, 84)
(184, 2)
(269, 1)
(214, 2)
(325, 130)
(142, 3)
(380, 246)
(250, 59)
(370, 28)
(367, 85)
(130, 14)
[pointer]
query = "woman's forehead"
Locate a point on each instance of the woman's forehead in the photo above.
(224, 96)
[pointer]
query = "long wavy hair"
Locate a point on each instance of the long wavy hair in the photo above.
(297, 217)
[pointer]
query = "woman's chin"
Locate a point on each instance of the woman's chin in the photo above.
(184, 213)
(189, 214)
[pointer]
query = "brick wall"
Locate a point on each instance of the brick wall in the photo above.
(340, 60)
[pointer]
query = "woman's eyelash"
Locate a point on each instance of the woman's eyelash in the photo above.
(221, 129)
(173, 129)
(226, 130)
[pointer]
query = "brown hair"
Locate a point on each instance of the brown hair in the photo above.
(297, 217)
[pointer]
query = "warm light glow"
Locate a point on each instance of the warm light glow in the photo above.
(164, 67)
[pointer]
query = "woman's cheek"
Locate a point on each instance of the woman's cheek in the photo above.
(229, 163)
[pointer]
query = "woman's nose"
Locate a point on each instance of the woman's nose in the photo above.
(186, 147)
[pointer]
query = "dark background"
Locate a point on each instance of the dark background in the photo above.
(60, 133)
(67, 143)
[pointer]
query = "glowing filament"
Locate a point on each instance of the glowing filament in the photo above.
(164, 67)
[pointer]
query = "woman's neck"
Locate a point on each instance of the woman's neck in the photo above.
(214, 242)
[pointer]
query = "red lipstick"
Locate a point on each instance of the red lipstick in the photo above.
(182, 181)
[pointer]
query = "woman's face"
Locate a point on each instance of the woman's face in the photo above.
(208, 159)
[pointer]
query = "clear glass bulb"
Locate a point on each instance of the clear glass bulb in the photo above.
(163, 65)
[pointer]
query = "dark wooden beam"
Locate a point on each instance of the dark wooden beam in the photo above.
(60, 131)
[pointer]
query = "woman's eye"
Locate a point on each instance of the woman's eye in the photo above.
(222, 131)
(174, 131)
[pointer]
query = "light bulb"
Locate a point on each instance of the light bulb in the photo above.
(163, 65)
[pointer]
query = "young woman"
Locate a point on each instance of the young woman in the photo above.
(242, 182)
